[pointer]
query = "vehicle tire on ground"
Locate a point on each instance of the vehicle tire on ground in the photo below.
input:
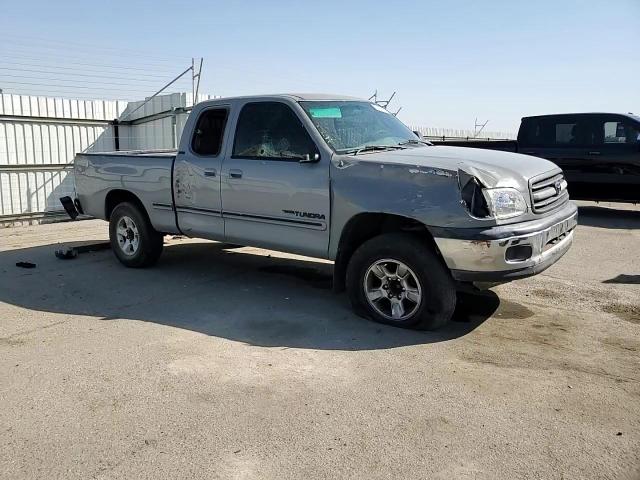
(133, 240)
(398, 280)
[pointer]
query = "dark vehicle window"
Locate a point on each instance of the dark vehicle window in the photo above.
(271, 130)
(207, 137)
(557, 132)
(619, 132)
(534, 132)
(572, 132)
(566, 133)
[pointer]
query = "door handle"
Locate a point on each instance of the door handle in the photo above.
(594, 153)
(235, 173)
(210, 172)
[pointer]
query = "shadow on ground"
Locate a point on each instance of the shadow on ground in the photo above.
(218, 290)
(624, 278)
(607, 217)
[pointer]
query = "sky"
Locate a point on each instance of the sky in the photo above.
(449, 62)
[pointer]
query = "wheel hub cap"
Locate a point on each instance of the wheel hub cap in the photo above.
(128, 236)
(392, 289)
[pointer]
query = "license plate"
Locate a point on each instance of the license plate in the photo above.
(559, 229)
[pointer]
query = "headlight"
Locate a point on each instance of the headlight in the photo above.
(505, 202)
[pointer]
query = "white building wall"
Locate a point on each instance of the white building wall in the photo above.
(39, 137)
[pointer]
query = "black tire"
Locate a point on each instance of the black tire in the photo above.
(438, 293)
(149, 242)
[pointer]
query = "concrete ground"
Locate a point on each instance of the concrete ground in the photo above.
(239, 363)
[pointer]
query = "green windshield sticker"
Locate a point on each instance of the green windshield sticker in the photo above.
(325, 112)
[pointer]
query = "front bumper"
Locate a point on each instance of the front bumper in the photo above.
(487, 255)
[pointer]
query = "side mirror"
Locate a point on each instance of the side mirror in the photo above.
(418, 134)
(310, 158)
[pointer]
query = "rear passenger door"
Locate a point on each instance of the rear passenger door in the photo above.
(270, 198)
(196, 176)
(615, 157)
(564, 139)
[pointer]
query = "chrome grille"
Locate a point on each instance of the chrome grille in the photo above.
(548, 191)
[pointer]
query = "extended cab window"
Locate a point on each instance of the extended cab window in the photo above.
(271, 130)
(207, 137)
(571, 132)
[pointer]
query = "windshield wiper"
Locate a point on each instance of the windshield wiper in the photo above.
(415, 142)
(372, 148)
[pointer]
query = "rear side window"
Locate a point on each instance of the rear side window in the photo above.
(535, 132)
(207, 137)
(566, 133)
(570, 131)
(271, 130)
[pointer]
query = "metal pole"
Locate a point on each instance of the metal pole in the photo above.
(116, 135)
(174, 131)
(195, 99)
(157, 93)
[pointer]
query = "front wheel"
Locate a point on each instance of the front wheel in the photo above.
(396, 279)
(133, 239)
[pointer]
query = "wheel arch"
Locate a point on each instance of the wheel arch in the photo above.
(367, 225)
(118, 196)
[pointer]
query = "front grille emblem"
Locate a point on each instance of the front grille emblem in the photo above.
(558, 186)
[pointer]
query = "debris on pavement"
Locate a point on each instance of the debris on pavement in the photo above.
(67, 252)
(25, 265)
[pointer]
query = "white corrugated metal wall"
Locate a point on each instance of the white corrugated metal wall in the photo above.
(151, 132)
(39, 137)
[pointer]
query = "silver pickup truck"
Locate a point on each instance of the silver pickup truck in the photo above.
(339, 178)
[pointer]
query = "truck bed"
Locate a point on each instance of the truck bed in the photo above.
(145, 174)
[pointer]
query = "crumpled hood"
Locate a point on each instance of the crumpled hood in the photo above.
(493, 168)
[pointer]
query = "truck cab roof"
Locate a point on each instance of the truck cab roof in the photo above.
(628, 115)
(312, 97)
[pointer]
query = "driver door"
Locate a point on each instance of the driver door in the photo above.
(275, 186)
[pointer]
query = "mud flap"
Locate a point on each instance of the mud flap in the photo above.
(70, 207)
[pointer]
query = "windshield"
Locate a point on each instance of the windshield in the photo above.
(349, 126)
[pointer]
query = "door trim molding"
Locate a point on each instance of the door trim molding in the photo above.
(162, 206)
(317, 225)
(199, 211)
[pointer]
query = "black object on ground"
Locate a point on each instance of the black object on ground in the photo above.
(66, 252)
(25, 265)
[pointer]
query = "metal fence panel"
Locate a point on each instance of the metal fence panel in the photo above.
(461, 133)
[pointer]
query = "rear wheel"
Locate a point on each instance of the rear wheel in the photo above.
(396, 279)
(133, 240)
